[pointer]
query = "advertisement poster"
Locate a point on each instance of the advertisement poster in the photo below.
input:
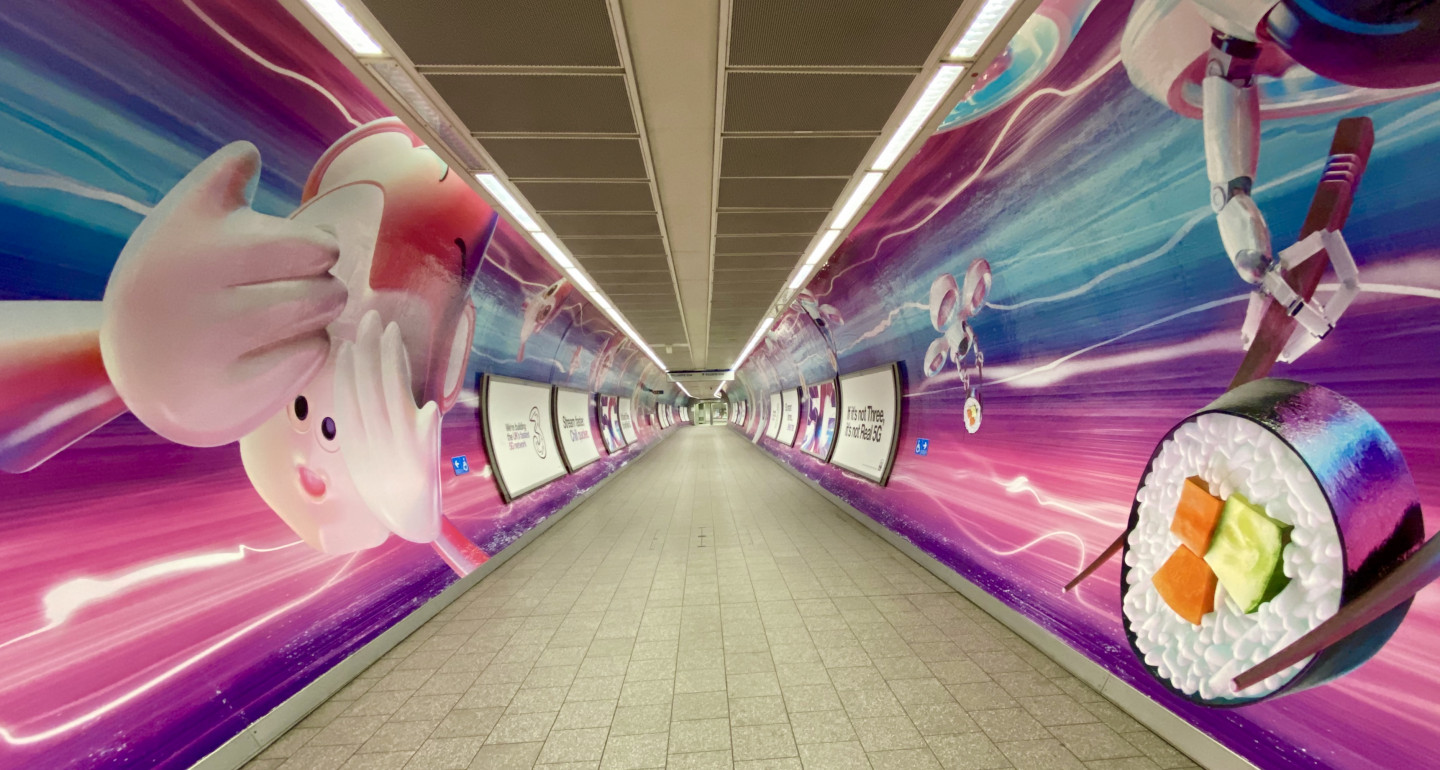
(664, 416)
(789, 416)
(1088, 351)
(573, 410)
(520, 435)
(244, 312)
(626, 421)
(819, 418)
(869, 421)
(774, 416)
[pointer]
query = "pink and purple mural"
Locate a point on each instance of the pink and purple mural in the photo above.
(243, 316)
(1098, 338)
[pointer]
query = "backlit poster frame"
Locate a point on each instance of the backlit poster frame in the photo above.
(834, 384)
(507, 492)
(853, 425)
(789, 417)
(590, 422)
(772, 417)
(627, 420)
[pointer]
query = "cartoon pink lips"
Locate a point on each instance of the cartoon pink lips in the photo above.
(312, 482)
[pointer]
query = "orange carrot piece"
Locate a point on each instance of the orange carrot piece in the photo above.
(1187, 584)
(1197, 515)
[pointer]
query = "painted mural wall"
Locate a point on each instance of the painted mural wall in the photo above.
(243, 317)
(1049, 272)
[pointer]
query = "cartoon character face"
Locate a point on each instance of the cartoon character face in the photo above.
(296, 462)
(411, 235)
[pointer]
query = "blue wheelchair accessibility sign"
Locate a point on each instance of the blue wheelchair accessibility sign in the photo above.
(922, 446)
(461, 465)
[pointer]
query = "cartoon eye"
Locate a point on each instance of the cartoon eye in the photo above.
(327, 432)
(299, 410)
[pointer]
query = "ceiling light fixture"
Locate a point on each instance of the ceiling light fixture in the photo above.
(581, 281)
(554, 250)
(799, 279)
(863, 188)
(822, 246)
(754, 340)
(684, 390)
(511, 204)
(405, 85)
(981, 28)
(340, 21)
(934, 92)
(718, 388)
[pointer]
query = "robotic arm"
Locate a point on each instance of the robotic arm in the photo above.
(1232, 141)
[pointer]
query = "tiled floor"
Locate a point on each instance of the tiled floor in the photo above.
(707, 609)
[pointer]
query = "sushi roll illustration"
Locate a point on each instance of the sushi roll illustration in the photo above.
(1257, 519)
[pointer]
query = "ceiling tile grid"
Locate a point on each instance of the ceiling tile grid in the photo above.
(802, 91)
(809, 87)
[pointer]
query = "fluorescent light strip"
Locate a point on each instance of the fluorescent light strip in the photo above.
(580, 280)
(799, 279)
(338, 18)
(344, 25)
(981, 28)
(754, 340)
(554, 250)
(863, 188)
(718, 388)
(935, 90)
(684, 390)
(507, 199)
(822, 247)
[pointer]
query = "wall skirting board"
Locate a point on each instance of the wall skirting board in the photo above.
(1201, 748)
(267, 729)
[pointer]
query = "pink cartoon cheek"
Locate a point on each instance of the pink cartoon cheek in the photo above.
(312, 483)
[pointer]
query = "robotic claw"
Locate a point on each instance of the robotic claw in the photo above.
(1212, 59)
(1231, 115)
(951, 308)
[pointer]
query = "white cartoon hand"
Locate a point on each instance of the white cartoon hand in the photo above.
(391, 448)
(215, 314)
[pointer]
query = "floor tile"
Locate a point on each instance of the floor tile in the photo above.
(794, 638)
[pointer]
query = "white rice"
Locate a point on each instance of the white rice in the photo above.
(1232, 455)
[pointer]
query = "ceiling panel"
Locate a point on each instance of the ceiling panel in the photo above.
(733, 277)
(775, 101)
(793, 156)
(566, 225)
(795, 222)
(504, 32)
(761, 244)
(648, 278)
(538, 103)
(616, 247)
(779, 193)
(612, 264)
(836, 32)
(568, 158)
(588, 196)
(732, 264)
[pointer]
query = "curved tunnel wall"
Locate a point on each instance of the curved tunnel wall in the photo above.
(155, 605)
(1114, 313)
